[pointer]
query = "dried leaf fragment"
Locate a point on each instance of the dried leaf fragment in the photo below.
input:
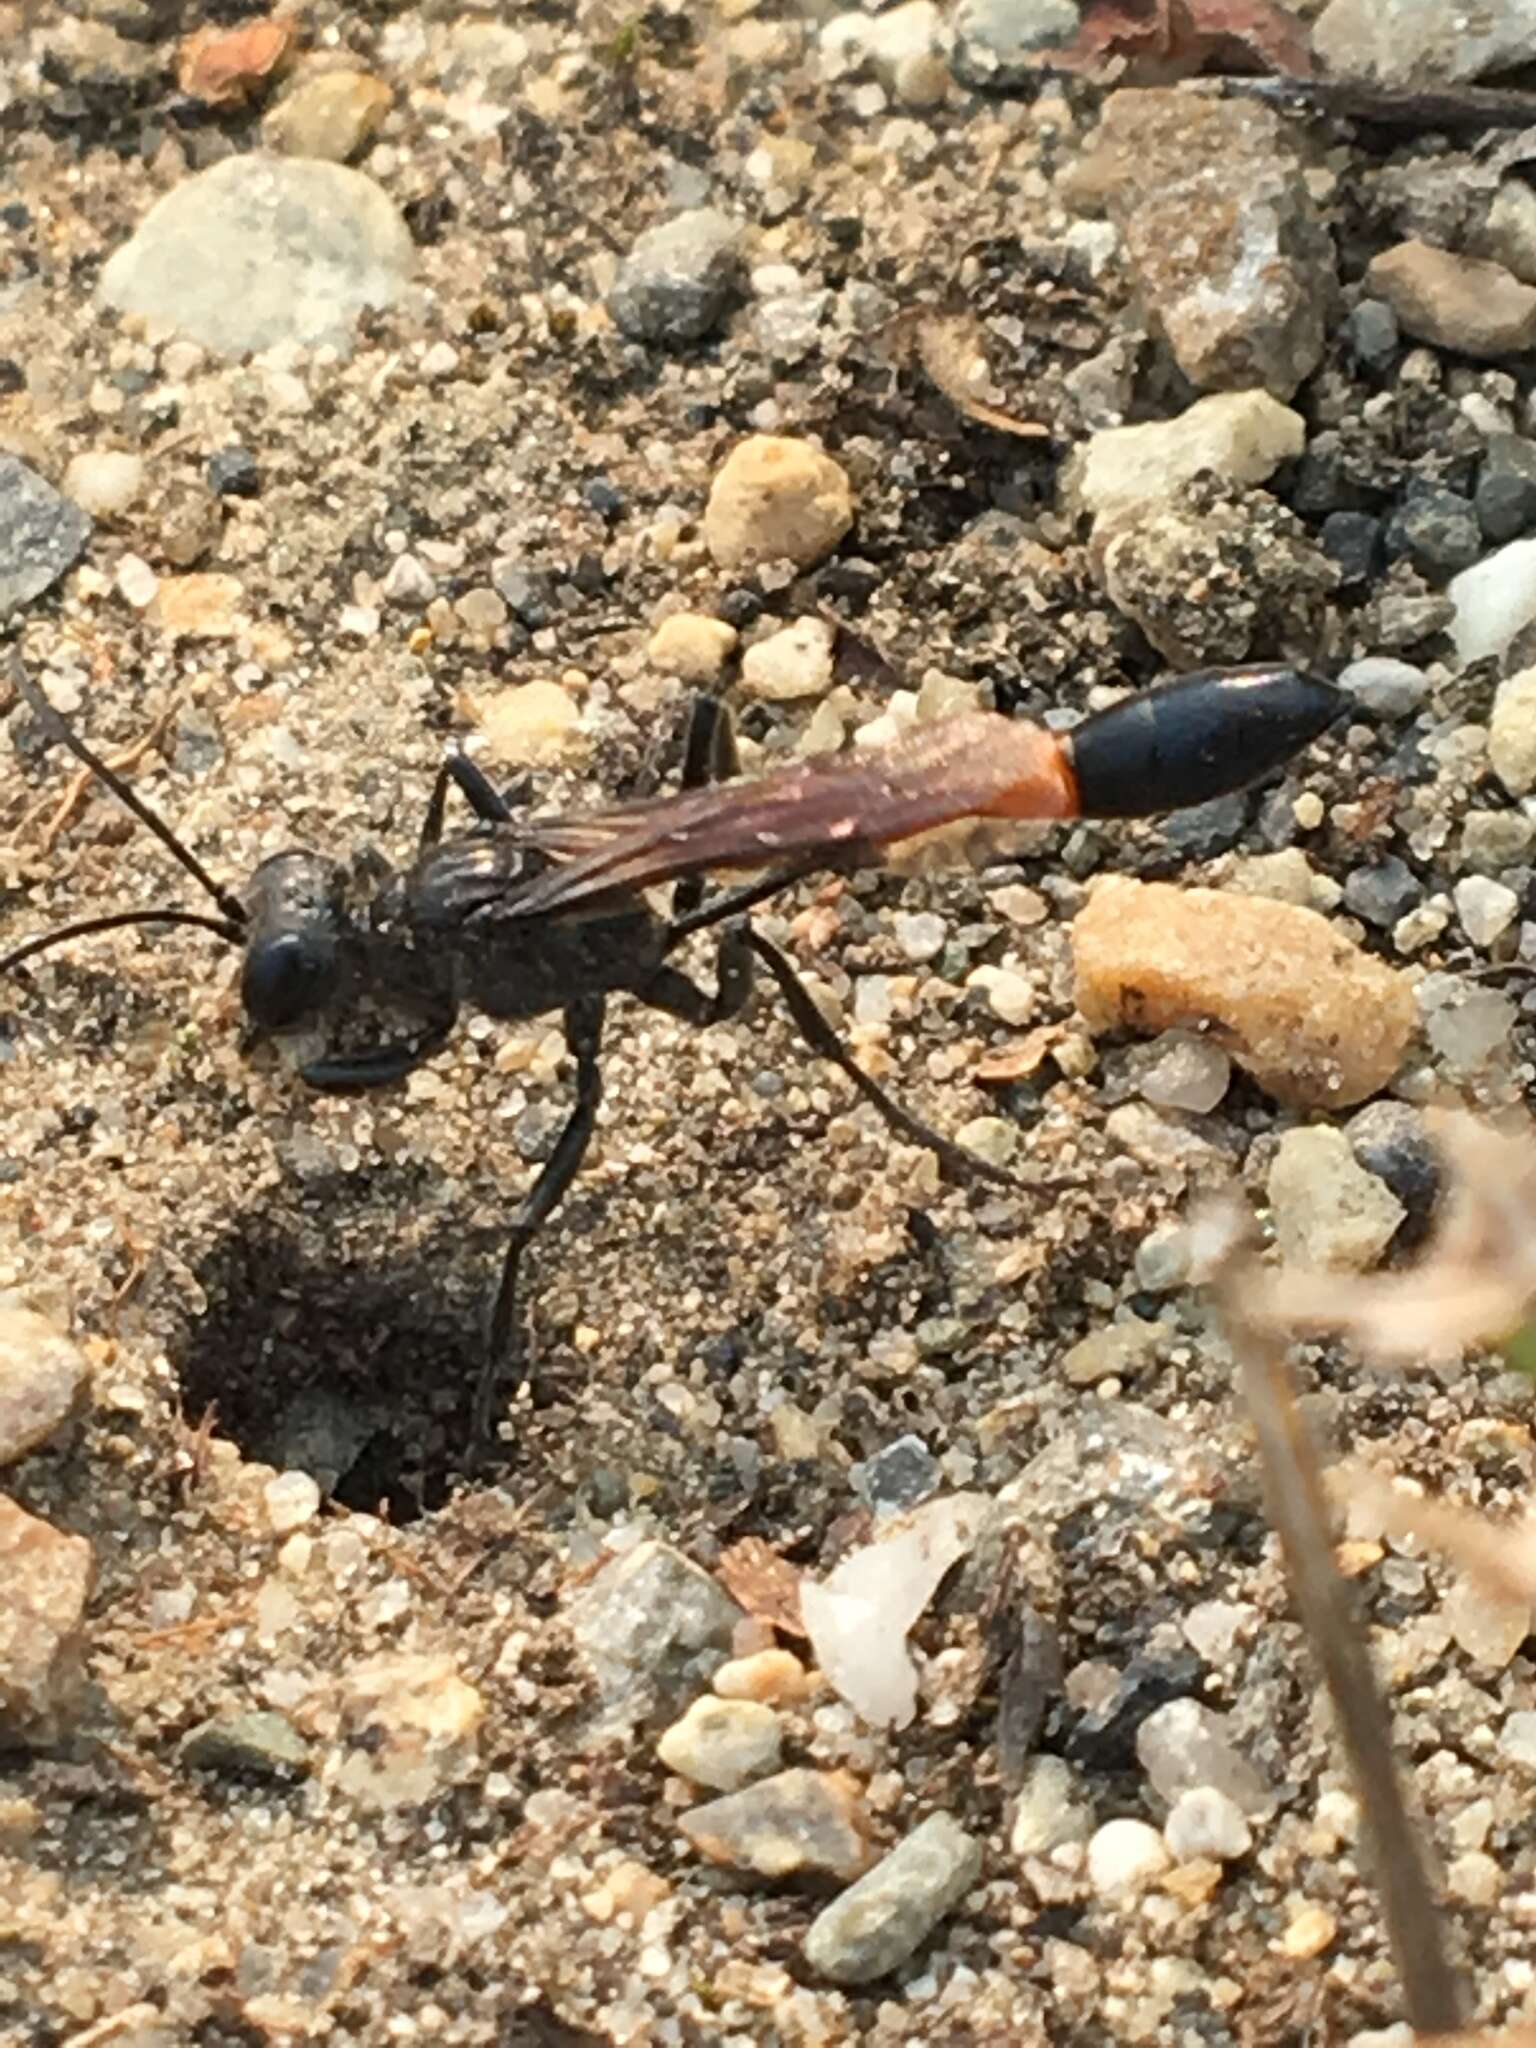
(1158, 41)
(222, 66)
(763, 1583)
(950, 352)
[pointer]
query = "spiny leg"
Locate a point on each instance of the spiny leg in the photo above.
(459, 772)
(583, 1034)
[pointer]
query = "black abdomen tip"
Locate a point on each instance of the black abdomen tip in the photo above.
(1199, 737)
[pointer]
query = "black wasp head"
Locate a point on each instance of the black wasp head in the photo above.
(295, 940)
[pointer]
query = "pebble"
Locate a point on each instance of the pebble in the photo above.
(897, 1477)
(1488, 1629)
(692, 647)
(1118, 1351)
(1390, 1141)
(104, 482)
(1373, 332)
(137, 584)
(331, 117)
(1241, 437)
(47, 1578)
(678, 280)
(1353, 542)
(1517, 1739)
(1495, 600)
(1182, 1070)
(1384, 687)
(921, 935)
(775, 1677)
(1050, 1809)
(1316, 1020)
(1506, 488)
(784, 1826)
(723, 1743)
(530, 724)
(42, 534)
(993, 1138)
(651, 1627)
(1512, 733)
(1011, 997)
(776, 499)
(795, 662)
(1406, 43)
(1205, 1823)
(998, 44)
(291, 1499)
(1104, 1737)
(1462, 303)
(1329, 1214)
(892, 1910)
(1382, 893)
(1437, 530)
(260, 1744)
(1223, 241)
(259, 250)
(411, 1723)
(1467, 1024)
(43, 1380)
(1308, 1933)
(1186, 1745)
(1125, 1856)
(203, 606)
(902, 45)
(232, 473)
(1509, 231)
(1486, 908)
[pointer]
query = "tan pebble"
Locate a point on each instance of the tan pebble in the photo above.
(1194, 1882)
(692, 647)
(1309, 1933)
(530, 724)
(777, 499)
(1488, 1629)
(1456, 302)
(1512, 733)
(1316, 1020)
(775, 1677)
(722, 1743)
(47, 1578)
(200, 607)
(1330, 1215)
(1358, 1556)
(43, 1377)
(794, 662)
(331, 116)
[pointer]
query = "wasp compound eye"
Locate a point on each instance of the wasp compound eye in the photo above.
(287, 978)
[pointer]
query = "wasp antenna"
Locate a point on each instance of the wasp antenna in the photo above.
(225, 928)
(55, 723)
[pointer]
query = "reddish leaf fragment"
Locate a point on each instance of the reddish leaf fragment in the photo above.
(1157, 41)
(221, 67)
(764, 1583)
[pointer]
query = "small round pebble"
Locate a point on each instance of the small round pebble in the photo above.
(1512, 733)
(692, 647)
(776, 499)
(1486, 908)
(774, 1678)
(921, 934)
(291, 1499)
(723, 1743)
(104, 482)
(1506, 488)
(1206, 1823)
(1384, 687)
(794, 662)
(331, 117)
(1125, 1856)
(530, 724)
(232, 473)
(1437, 530)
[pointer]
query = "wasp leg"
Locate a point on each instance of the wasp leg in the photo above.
(709, 755)
(379, 1067)
(460, 773)
(503, 1363)
(1203, 736)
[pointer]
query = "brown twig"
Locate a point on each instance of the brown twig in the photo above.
(1293, 1493)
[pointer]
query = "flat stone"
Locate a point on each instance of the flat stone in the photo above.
(1462, 303)
(1240, 436)
(1329, 1214)
(1494, 600)
(1405, 43)
(47, 1578)
(794, 1822)
(891, 1911)
(1506, 488)
(776, 499)
(1316, 1020)
(43, 1380)
(42, 535)
(651, 1626)
(331, 117)
(723, 1743)
(258, 1744)
(1118, 1351)
(262, 249)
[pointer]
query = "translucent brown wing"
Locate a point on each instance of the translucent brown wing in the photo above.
(837, 806)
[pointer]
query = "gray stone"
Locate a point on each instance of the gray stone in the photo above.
(1373, 332)
(652, 1627)
(998, 44)
(1206, 1823)
(880, 1921)
(262, 249)
(1051, 1809)
(897, 1477)
(1401, 43)
(1384, 687)
(1437, 530)
(260, 1745)
(43, 1377)
(41, 534)
(782, 1826)
(1506, 487)
(1383, 893)
(676, 282)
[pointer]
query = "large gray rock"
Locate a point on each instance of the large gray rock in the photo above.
(1424, 42)
(41, 534)
(261, 250)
